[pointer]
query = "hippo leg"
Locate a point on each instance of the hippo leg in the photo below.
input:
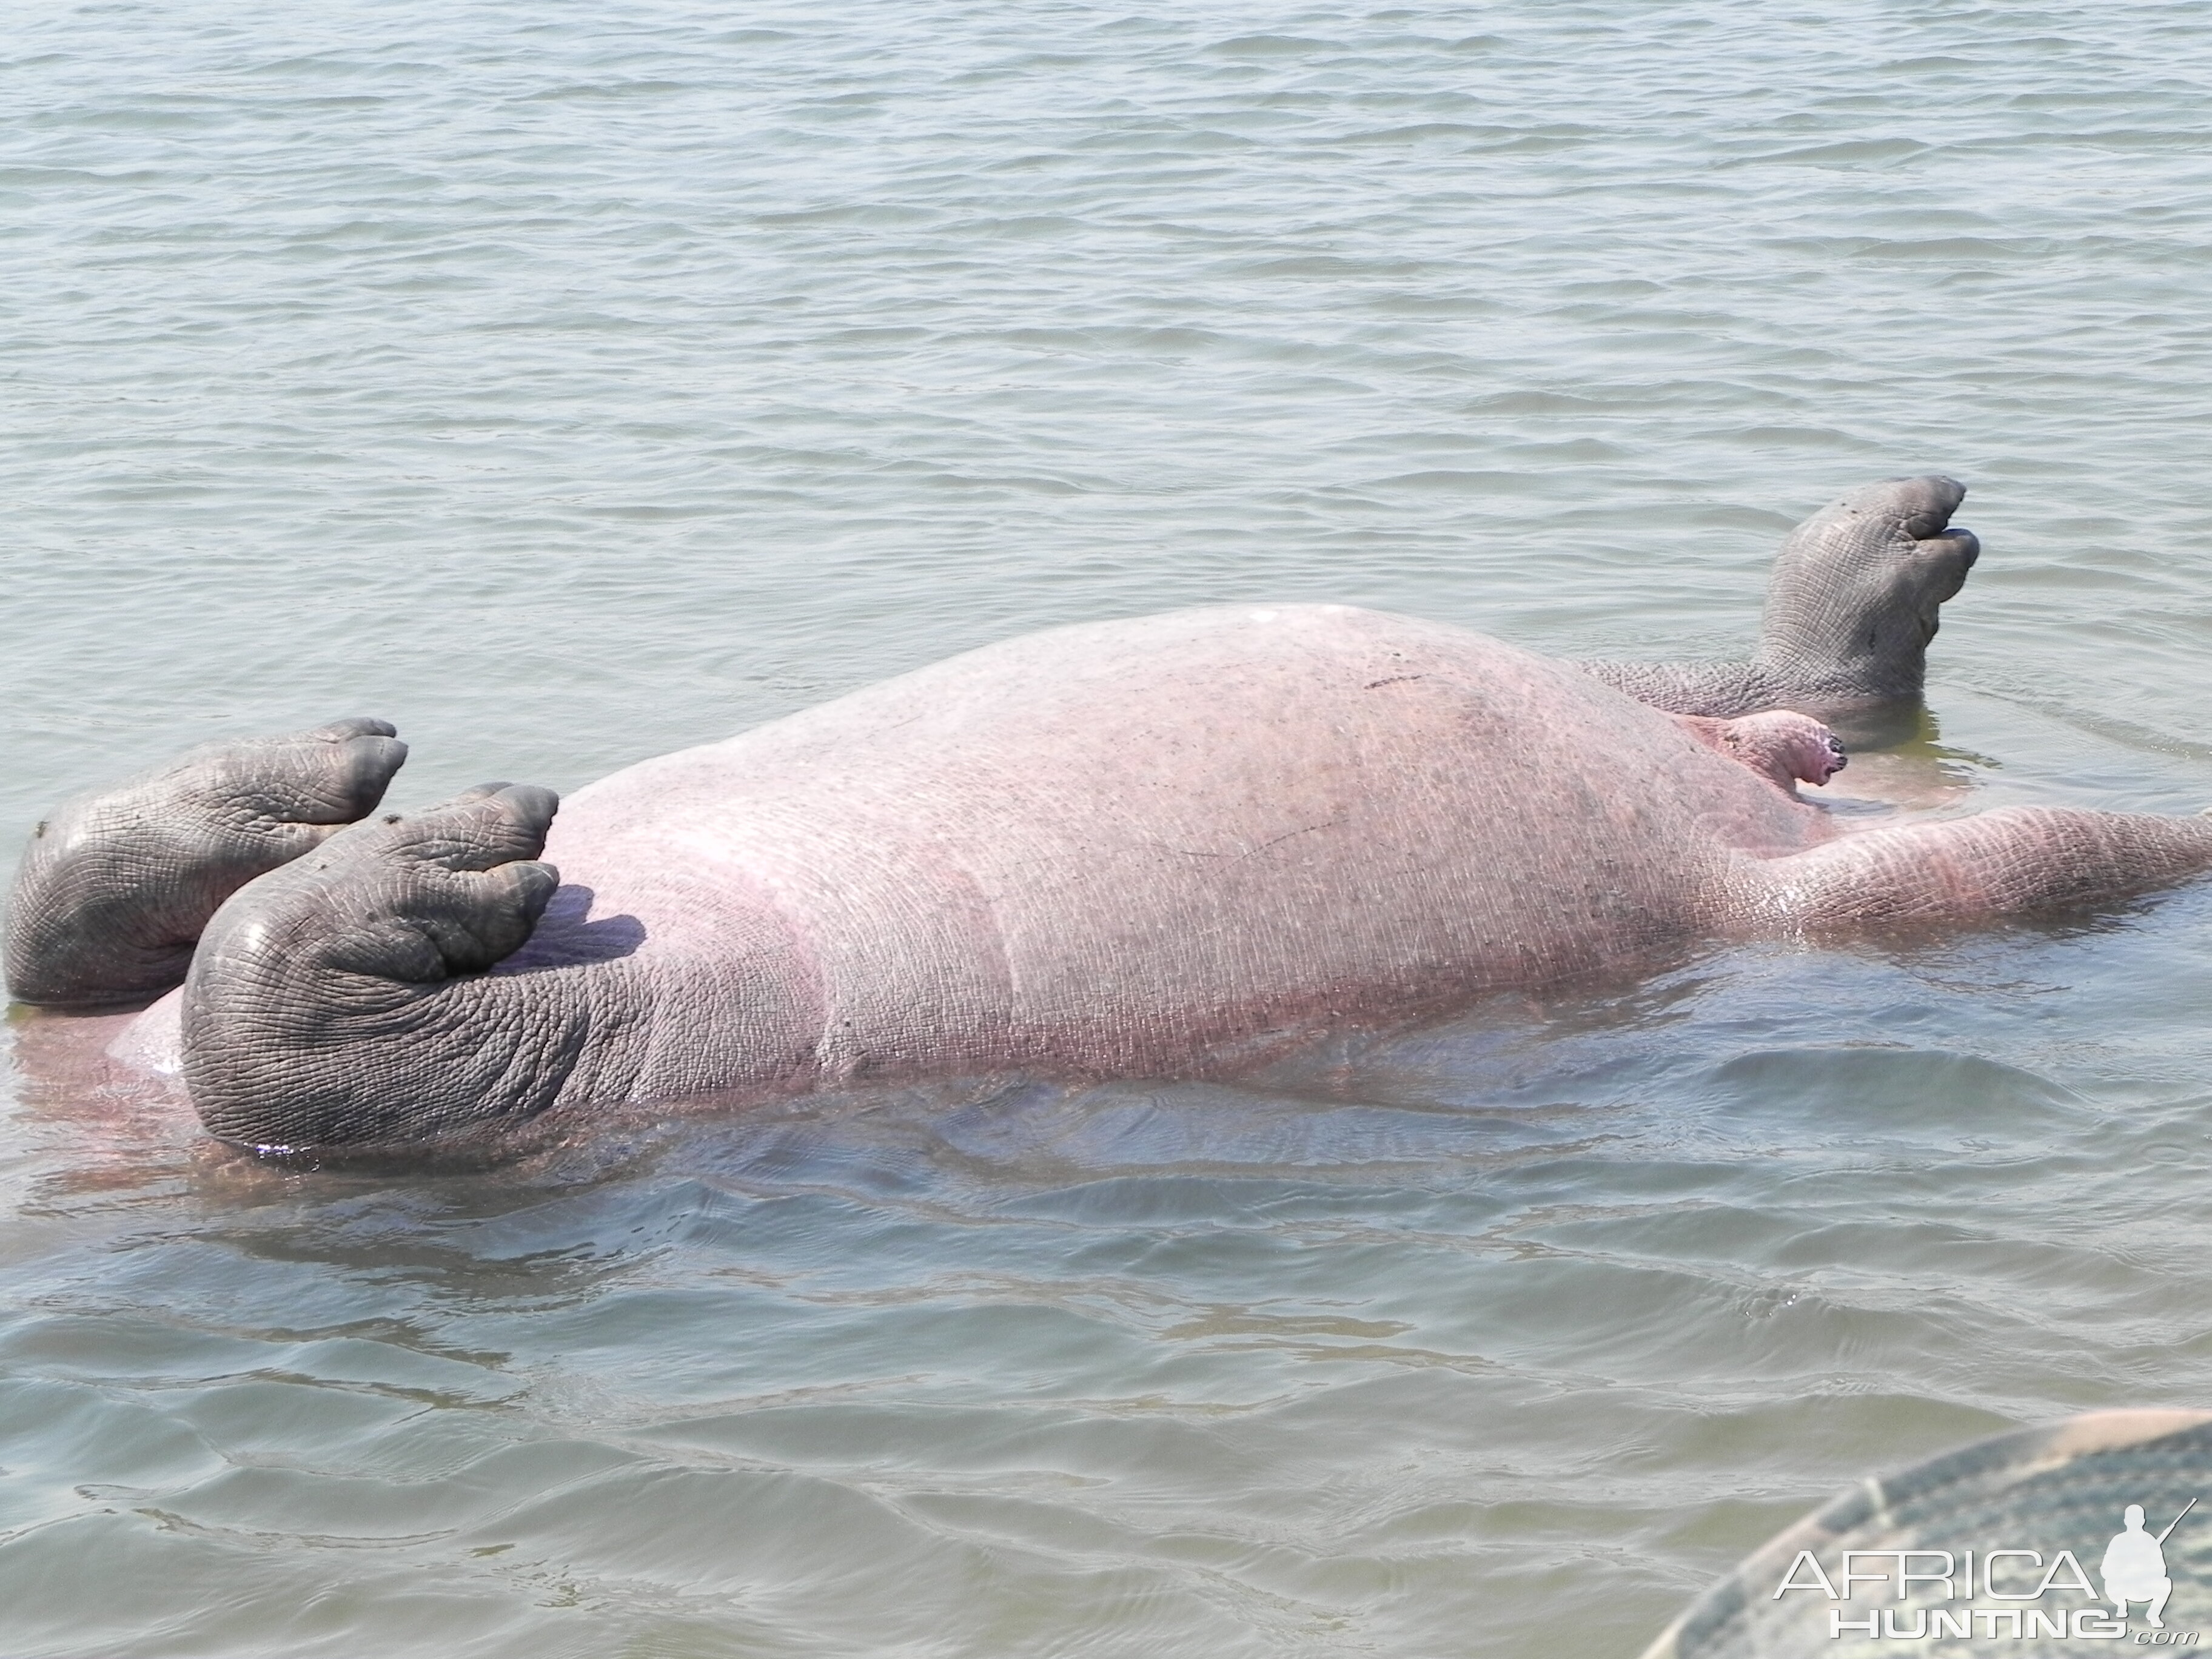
(342, 999)
(116, 885)
(2010, 861)
(1785, 749)
(1850, 608)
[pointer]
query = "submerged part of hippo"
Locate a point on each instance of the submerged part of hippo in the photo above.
(1132, 847)
(2041, 1539)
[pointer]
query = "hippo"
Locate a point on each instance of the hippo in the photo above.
(1155, 847)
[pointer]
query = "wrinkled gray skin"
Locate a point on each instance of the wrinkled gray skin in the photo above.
(1850, 611)
(116, 886)
(1135, 848)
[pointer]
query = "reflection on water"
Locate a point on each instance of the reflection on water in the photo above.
(1566, 1303)
(1902, 765)
(570, 388)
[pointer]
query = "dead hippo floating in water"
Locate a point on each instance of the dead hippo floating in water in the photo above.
(1129, 848)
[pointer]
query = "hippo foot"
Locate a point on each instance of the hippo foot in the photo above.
(342, 999)
(118, 884)
(1849, 612)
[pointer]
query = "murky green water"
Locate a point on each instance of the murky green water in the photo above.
(570, 384)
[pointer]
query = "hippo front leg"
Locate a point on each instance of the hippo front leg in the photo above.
(343, 1000)
(116, 885)
(2011, 861)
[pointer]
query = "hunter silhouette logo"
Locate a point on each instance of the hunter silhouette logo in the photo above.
(2010, 1593)
(2135, 1567)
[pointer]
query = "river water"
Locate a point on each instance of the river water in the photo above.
(568, 384)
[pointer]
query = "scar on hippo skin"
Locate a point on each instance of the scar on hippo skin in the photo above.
(1850, 608)
(117, 885)
(1786, 748)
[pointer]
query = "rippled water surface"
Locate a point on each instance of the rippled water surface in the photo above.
(566, 384)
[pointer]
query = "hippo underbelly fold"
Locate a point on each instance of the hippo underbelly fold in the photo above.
(1119, 848)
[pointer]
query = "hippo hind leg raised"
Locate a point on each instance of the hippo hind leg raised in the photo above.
(1851, 605)
(117, 885)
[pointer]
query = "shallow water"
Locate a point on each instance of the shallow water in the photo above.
(567, 388)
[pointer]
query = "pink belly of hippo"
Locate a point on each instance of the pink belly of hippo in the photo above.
(1119, 848)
